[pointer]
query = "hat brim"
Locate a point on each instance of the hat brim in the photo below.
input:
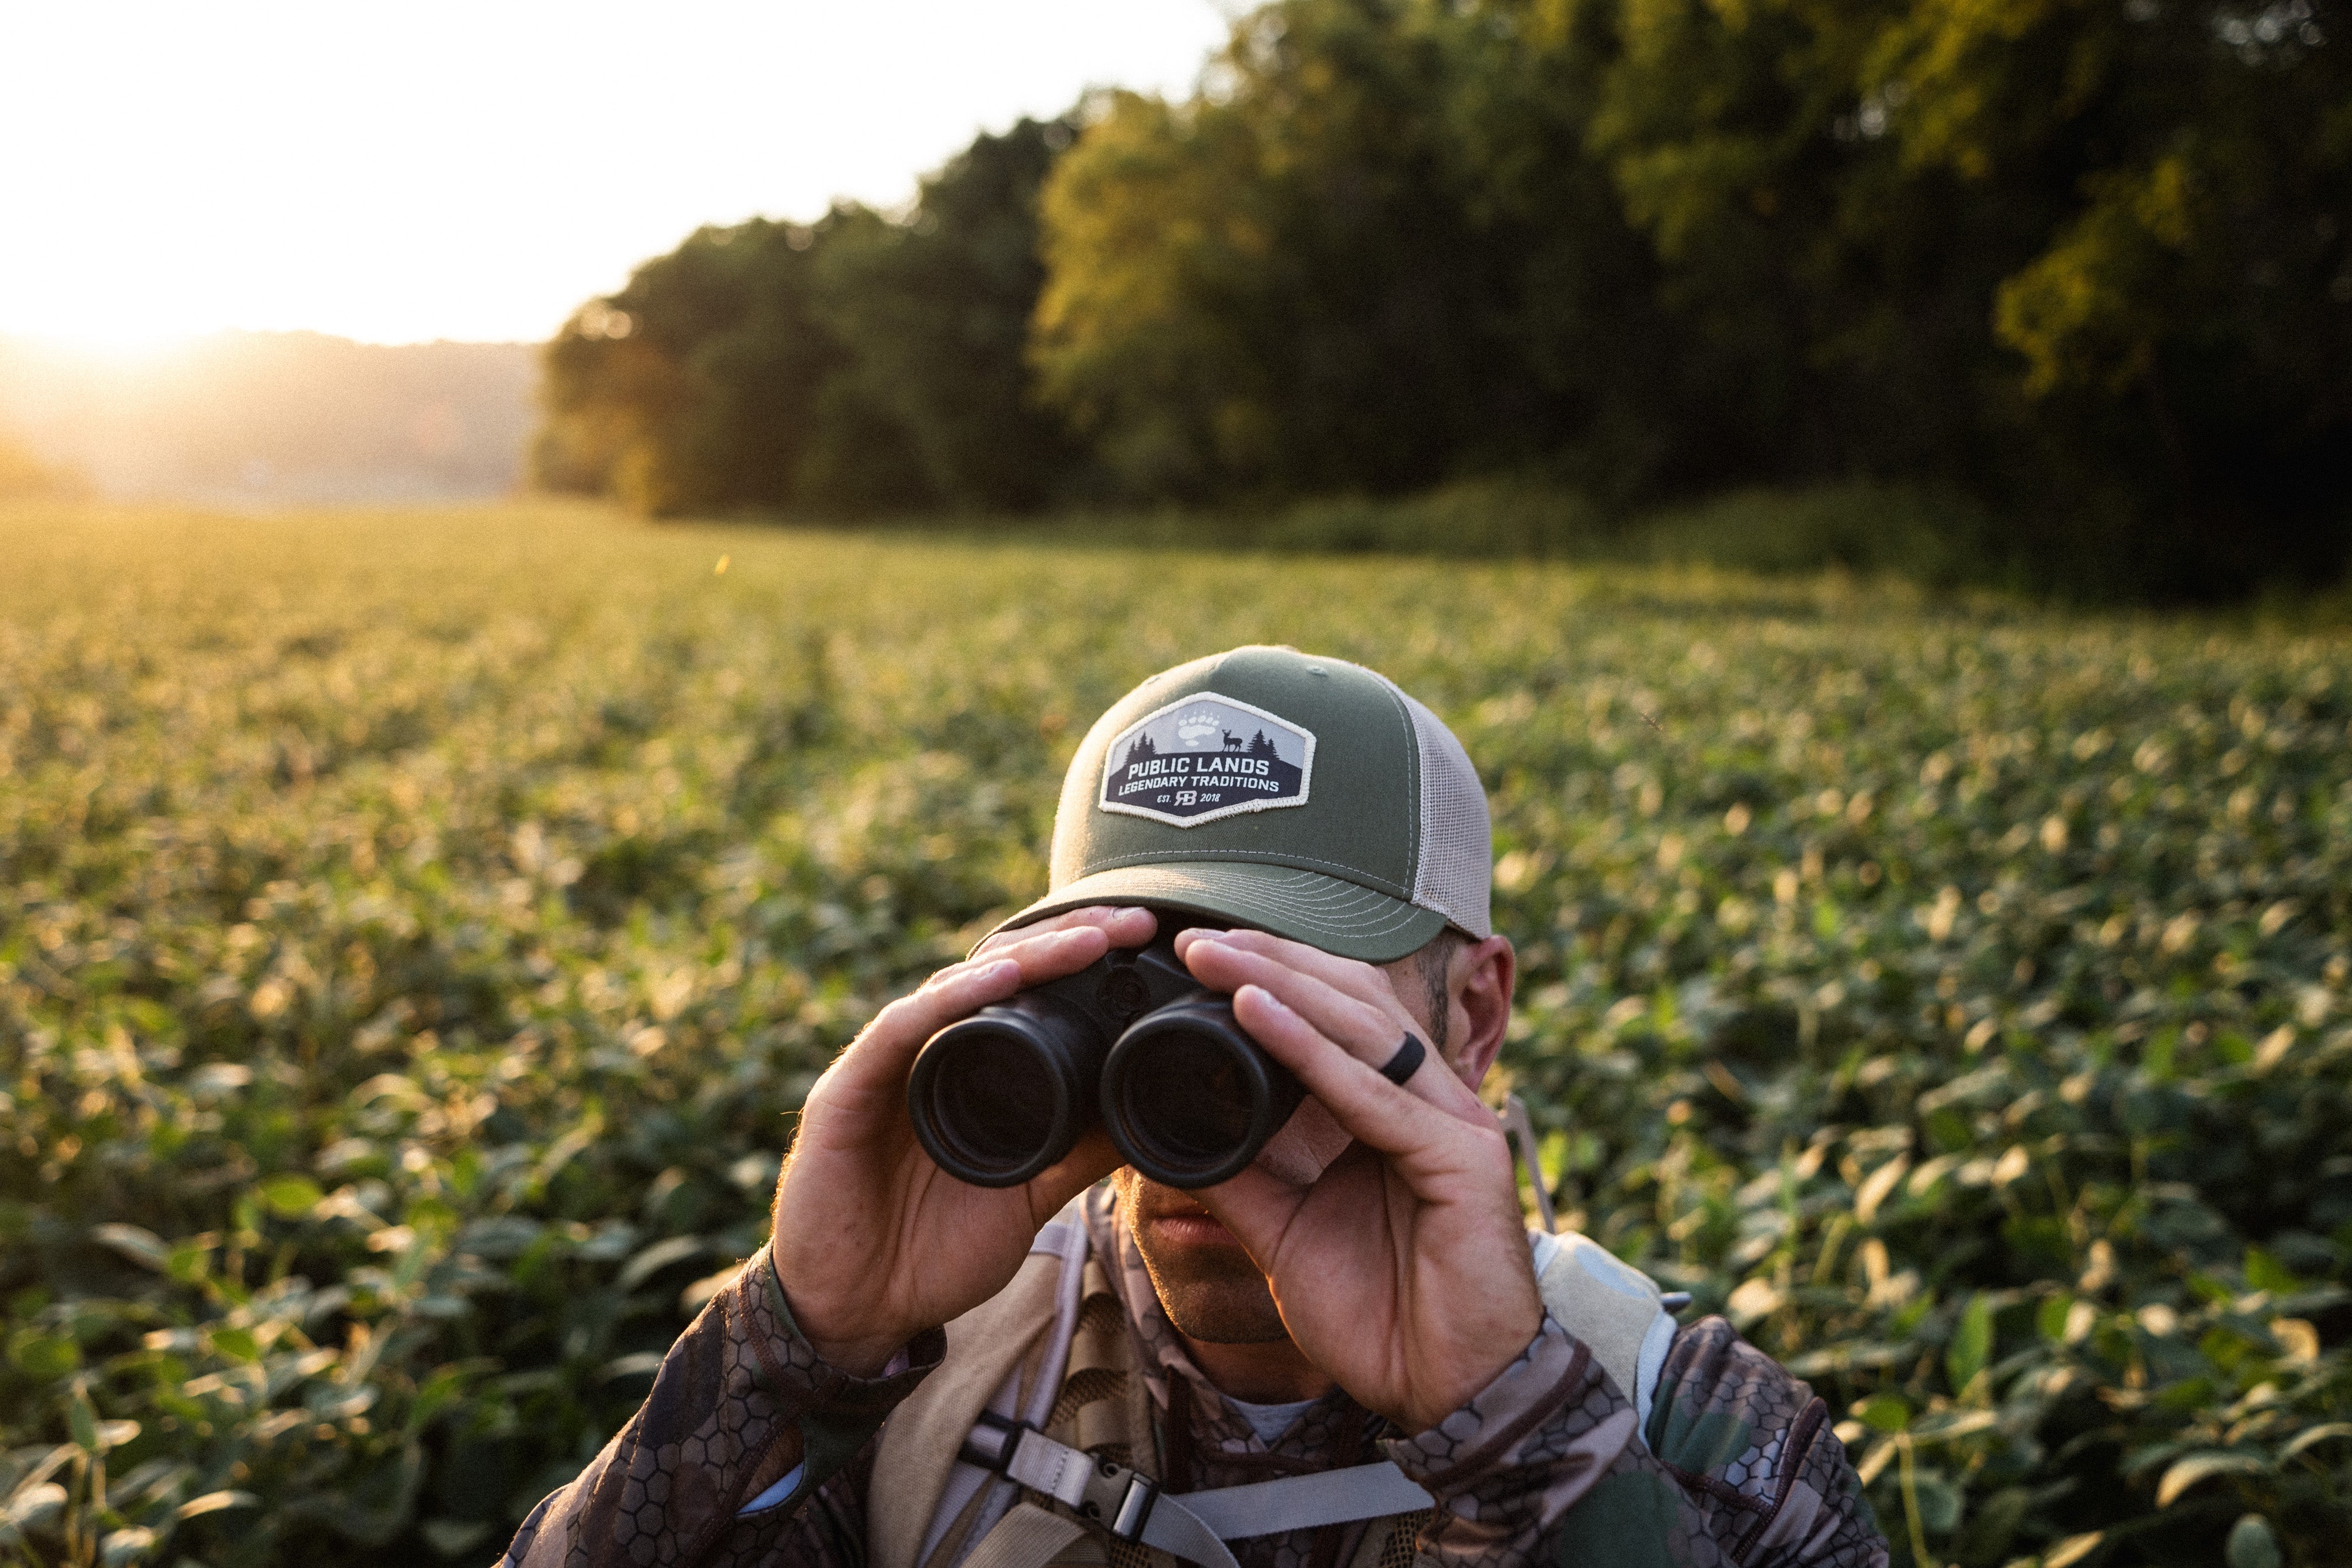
(1324, 911)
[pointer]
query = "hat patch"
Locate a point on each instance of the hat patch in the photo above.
(1204, 758)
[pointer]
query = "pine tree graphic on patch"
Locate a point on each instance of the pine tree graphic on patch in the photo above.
(1204, 758)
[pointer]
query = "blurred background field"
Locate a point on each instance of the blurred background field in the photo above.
(418, 927)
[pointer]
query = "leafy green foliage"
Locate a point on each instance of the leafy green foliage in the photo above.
(2086, 263)
(421, 929)
(936, 312)
(847, 367)
(2079, 273)
(1282, 286)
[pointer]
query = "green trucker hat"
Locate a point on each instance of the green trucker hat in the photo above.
(1303, 795)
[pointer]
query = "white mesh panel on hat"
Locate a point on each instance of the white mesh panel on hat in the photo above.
(1456, 873)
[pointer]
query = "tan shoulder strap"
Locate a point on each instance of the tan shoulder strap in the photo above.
(1017, 1332)
(1027, 1536)
(1611, 1306)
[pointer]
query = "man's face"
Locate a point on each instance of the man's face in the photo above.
(1204, 1277)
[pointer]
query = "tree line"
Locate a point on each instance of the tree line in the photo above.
(2084, 261)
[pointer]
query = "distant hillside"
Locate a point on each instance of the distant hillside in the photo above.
(247, 418)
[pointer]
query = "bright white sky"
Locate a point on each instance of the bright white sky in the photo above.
(400, 172)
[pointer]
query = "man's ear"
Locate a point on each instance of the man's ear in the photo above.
(1478, 990)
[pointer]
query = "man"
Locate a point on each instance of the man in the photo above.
(1342, 1356)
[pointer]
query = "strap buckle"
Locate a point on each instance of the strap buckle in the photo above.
(1109, 1495)
(1134, 1507)
(989, 1445)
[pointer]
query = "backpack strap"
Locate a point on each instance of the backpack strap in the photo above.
(1110, 1498)
(1303, 1502)
(1024, 1538)
(1615, 1309)
(1005, 1356)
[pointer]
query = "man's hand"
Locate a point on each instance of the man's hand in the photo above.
(1401, 1269)
(873, 1241)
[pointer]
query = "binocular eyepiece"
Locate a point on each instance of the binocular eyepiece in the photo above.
(1187, 1096)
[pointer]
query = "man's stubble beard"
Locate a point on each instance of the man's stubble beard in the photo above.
(1213, 1295)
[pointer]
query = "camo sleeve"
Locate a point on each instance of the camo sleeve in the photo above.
(1734, 1427)
(1544, 1465)
(743, 1413)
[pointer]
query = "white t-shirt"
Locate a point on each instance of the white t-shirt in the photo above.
(1269, 1421)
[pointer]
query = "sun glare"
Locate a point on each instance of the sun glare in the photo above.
(120, 343)
(457, 170)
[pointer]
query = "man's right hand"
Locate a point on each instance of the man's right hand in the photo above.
(873, 1241)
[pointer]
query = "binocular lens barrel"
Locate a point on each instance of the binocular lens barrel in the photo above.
(998, 1097)
(1188, 1097)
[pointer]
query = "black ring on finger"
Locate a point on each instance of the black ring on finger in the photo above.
(1407, 1060)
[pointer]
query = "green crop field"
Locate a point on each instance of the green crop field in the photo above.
(416, 929)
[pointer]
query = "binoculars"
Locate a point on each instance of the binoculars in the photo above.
(1187, 1096)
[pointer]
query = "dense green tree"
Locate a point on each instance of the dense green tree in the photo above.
(1145, 331)
(2084, 261)
(700, 384)
(1290, 284)
(856, 365)
(935, 314)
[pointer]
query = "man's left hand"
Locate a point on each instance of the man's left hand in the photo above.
(1401, 1269)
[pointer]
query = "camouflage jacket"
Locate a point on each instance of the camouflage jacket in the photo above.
(751, 1452)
